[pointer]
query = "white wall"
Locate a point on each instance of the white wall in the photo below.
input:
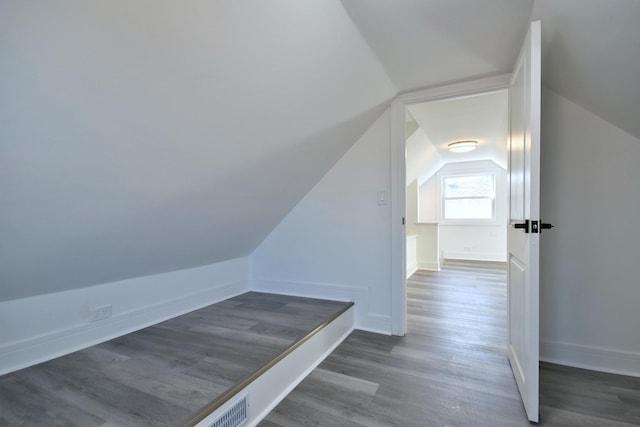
(139, 137)
(428, 246)
(589, 282)
(412, 254)
(474, 243)
(335, 242)
(422, 253)
(486, 242)
(427, 209)
(412, 207)
(40, 328)
(423, 158)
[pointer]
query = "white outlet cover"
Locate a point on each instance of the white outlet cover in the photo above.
(100, 313)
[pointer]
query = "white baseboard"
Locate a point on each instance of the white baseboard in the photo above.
(62, 326)
(265, 392)
(360, 295)
(375, 323)
(475, 256)
(429, 265)
(593, 358)
(412, 269)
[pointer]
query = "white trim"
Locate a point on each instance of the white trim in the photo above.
(475, 256)
(51, 325)
(377, 323)
(429, 265)
(412, 269)
(412, 255)
(274, 385)
(31, 351)
(456, 90)
(398, 178)
(494, 172)
(589, 357)
(305, 289)
(398, 218)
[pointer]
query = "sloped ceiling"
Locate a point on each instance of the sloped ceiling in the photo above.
(591, 48)
(139, 137)
(482, 118)
(591, 55)
(424, 43)
(144, 136)
(423, 158)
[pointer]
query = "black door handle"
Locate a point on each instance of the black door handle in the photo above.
(532, 226)
(523, 225)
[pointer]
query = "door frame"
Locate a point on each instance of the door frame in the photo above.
(398, 180)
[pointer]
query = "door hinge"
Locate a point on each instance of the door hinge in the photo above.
(402, 220)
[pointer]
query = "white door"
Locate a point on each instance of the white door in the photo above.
(523, 234)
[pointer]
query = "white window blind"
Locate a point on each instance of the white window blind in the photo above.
(469, 197)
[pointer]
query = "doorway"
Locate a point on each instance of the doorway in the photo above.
(445, 96)
(456, 184)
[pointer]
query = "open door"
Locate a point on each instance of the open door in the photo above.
(523, 233)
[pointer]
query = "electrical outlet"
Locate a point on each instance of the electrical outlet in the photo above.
(99, 313)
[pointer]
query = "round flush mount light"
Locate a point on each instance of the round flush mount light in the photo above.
(463, 146)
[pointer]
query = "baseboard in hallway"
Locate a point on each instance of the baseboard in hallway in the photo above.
(450, 369)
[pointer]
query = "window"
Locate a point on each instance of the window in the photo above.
(469, 197)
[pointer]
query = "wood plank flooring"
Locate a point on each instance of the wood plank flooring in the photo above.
(450, 370)
(161, 375)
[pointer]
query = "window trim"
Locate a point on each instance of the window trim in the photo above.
(494, 172)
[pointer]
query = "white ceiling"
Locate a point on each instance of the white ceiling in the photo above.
(141, 137)
(591, 48)
(591, 55)
(425, 43)
(422, 157)
(481, 117)
(138, 138)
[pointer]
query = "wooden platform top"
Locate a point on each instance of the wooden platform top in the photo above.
(163, 374)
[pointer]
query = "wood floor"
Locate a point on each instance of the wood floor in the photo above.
(161, 375)
(450, 370)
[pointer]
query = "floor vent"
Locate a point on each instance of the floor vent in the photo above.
(235, 416)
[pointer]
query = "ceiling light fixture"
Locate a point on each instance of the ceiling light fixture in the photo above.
(462, 146)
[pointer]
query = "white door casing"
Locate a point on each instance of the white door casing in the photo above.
(523, 235)
(398, 180)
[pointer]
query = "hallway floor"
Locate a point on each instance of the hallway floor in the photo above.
(451, 369)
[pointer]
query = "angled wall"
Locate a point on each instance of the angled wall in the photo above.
(144, 137)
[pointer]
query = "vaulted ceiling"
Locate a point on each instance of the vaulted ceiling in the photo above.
(591, 48)
(482, 118)
(424, 43)
(138, 136)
